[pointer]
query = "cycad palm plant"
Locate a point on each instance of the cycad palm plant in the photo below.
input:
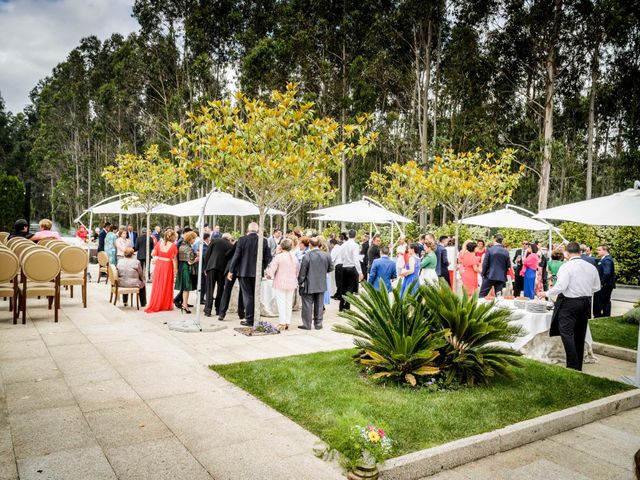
(396, 339)
(473, 353)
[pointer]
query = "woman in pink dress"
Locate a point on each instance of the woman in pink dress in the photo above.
(45, 231)
(165, 263)
(469, 266)
(284, 272)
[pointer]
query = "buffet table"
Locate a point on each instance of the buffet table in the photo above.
(535, 341)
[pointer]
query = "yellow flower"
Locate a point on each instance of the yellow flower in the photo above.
(374, 436)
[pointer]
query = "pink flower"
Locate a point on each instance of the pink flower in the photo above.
(371, 427)
(381, 432)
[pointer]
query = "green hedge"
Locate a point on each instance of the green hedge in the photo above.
(623, 242)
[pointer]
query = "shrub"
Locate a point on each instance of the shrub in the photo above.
(395, 340)
(632, 316)
(472, 354)
(433, 332)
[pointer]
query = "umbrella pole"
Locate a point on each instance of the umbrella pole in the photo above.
(391, 248)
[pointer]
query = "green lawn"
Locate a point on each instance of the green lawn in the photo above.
(614, 331)
(326, 393)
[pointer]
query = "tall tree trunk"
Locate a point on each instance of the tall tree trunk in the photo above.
(549, 83)
(343, 176)
(592, 116)
(435, 90)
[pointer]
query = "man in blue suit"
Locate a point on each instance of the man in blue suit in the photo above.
(384, 269)
(494, 268)
(607, 272)
(102, 235)
(442, 267)
(584, 255)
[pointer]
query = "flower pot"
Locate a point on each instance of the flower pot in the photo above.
(367, 469)
(369, 472)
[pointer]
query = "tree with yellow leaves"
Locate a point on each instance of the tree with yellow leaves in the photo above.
(272, 150)
(151, 179)
(402, 188)
(467, 183)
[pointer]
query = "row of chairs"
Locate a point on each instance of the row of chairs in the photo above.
(29, 269)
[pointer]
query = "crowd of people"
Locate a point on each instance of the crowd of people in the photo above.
(300, 264)
(300, 267)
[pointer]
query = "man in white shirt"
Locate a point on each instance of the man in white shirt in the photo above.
(351, 268)
(577, 282)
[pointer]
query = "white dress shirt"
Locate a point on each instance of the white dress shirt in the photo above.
(336, 255)
(351, 255)
(576, 278)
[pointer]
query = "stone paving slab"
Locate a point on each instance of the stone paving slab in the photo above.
(110, 392)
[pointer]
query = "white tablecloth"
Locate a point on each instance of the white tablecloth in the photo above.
(535, 341)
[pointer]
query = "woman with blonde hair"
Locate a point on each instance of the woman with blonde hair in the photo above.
(186, 258)
(284, 272)
(45, 231)
(165, 265)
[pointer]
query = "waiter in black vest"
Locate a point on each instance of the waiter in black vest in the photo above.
(577, 282)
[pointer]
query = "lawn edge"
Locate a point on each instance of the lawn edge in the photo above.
(614, 351)
(430, 461)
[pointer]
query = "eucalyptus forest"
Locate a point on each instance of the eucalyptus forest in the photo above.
(554, 80)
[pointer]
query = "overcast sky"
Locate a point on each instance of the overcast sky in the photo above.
(36, 35)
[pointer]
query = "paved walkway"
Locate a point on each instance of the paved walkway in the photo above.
(600, 450)
(112, 393)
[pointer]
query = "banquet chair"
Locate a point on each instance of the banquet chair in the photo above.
(116, 291)
(57, 247)
(40, 278)
(9, 270)
(18, 248)
(3, 237)
(74, 263)
(45, 241)
(103, 262)
(12, 242)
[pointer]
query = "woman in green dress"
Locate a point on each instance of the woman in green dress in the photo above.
(186, 258)
(554, 265)
(429, 262)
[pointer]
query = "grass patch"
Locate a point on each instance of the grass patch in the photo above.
(326, 393)
(614, 331)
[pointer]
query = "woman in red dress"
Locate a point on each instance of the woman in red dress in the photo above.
(165, 266)
(469, 266)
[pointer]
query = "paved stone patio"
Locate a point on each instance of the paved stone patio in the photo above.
(110, 392)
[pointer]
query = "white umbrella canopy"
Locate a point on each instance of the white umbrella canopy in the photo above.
(619, 209)
(118, 207)
(220, 203)
(505, 218)
(361, 211)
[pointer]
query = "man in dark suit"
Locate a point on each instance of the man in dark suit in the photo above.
(243, 264)
(215, 263)
(141, 248)
(102, 235)
(442, 267)
(518, 282)
(364, 251)
(494, 268)
(607, 273)
(586, 257)
(228, 288)
(374, 250)
(312, 280)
